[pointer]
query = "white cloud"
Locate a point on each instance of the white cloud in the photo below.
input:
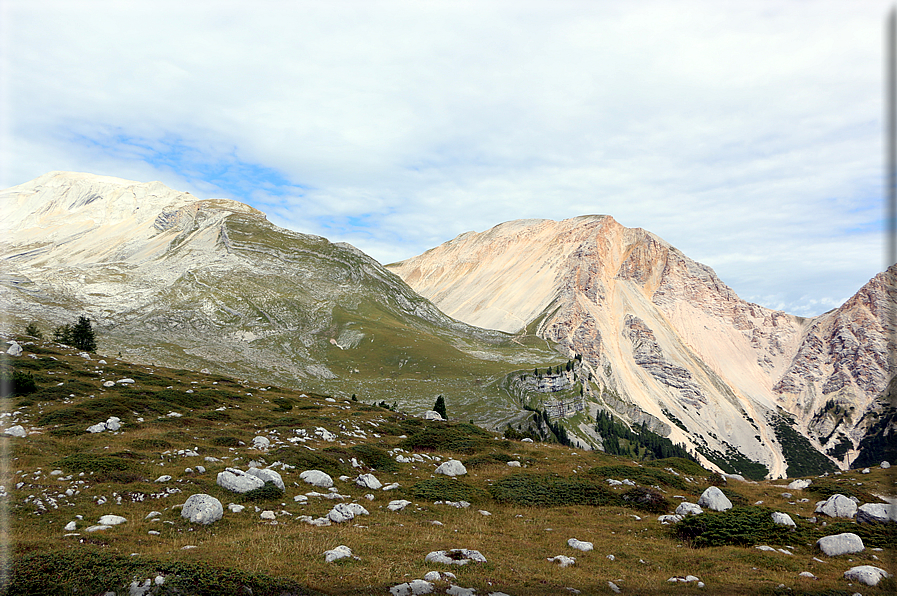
(746, 134)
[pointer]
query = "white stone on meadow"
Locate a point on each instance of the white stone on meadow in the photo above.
(455, 556)
(111, 520)
(686, 508)
(234, 508)
(97, 428)
(669, 519)
(782, 519)
(267, 475)
(368, 481)
(412, 588)
(454, 590)
(98, 528)
(876, 513)
(885, 465)
(14, 349)
(563, 560)
(267, 514)
(433, 415)
(799, 484)
(840, 544)
(114, 423)
(340, 552)
(580, 545)
(163, 478)
(514, 463)
(866, 574)
(71, 526)
(109, 384)
(317, 478)
(238, 481)
(451, 467)
(202, 509)
(398, 505)
(837, 506)
(261, 443)
(714, 499)
(16, 431)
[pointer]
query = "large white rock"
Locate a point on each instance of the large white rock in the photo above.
(398, 505)
(238, 481)
(340, 552)
(113, 423)
(714, 499)
(580, 545)
(111, 520)
(97, 428)
(799, 484)
(261, 443)
(412, 588)
(782, 519)
(317, 478)
(433, 415)
(456, 556)
(451, 467)
(885, 465)
(267, 475)
(563, 560)
(16, 431)
(686, 508)
(871, 513)
(368, 481)
(202, 509)
(866, 574)
(837, 506)
(343, 512)
(14, 349)
(840, 544)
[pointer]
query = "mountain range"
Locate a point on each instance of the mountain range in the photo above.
(531, 321)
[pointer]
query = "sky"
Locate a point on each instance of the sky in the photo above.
(746, 134)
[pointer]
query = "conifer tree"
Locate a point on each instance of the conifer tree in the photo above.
(440, 407)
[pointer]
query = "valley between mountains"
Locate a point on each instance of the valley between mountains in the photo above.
(255, 418)
(536, 326)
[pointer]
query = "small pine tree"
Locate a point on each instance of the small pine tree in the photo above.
(440, 407)
(33, 330)
(83, 336)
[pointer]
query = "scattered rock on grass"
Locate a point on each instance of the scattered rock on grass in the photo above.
(16, 431)
(866, 574)
(412, 588)
(563, 561)
(871, 513)
(238, 481)
(317, 478)
(714, 499)
(340, 552)
(782, 519)
(202, 509)
(451, 467)
(840, 544)
(580, 545)
(267, 475)
(456, 556)
(837, 506)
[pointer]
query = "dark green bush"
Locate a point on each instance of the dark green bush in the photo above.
(646, 499)
(458, 438)
(226, 441)
(19, 383)
(447, 489)
(215, 416)
(311, 460)
(268, 492)
(548, 490)
(106, 468)
(739, 526)
(150, 443)
(484, 459)
(91, 571)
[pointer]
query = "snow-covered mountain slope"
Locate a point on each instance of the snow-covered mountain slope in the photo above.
(664, 334)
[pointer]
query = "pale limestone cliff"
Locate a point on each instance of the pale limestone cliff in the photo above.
(663, 331)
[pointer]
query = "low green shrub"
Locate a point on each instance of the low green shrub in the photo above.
(739, 526)
(304, 459)
(485, 459)
(824, 488)
(268, 492)
(447, 489)
(549, 490)
(226, 441)
(106, 468)
(681, 465)
(150, 443)
(18, 383)
(458, 438)
(646, 499)
(84, 570)
(215, 416)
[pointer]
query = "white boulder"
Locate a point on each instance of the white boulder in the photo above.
(97, 428)
(238, 481)
(16, 431)
(799, 484)
(340, 552)
(686, 508)
(317, 478)
(114, 423)
(261, 443)
(580, 545)
(111, 520)
(837, 506)
(433, 415)
(412, 588)
(451, 467)
(456, 556)
(368, 481)
(871, 513)
(514, 463)
(714, 499)
(563, 561)
(267, 475)
(885, 465)
(782, 519)
(840, 544)
(14, 349)
(866, 574)
(202, 509)
(398, 505)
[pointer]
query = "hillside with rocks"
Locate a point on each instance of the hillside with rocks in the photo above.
(123, 478)
(664, 340)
